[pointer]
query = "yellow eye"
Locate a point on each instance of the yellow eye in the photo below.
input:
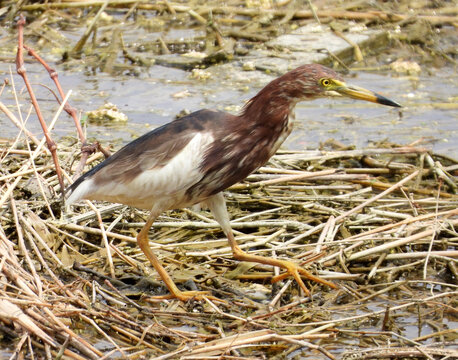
(325, 82)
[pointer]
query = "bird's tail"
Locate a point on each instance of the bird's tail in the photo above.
(78, 190)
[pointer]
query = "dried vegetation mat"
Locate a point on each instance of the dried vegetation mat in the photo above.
(380, 223)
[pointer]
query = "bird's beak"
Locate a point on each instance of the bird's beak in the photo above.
(358, 93)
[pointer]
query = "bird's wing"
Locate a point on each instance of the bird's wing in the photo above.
(161, 164)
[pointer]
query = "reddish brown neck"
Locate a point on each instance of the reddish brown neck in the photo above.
(271, 106)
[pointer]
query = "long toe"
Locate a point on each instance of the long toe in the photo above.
(185, 296)
(317, 279)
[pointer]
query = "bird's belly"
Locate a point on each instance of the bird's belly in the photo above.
(152, 200)
(161, 193)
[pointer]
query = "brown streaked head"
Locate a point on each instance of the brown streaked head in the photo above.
(305, 83)
(316, 80)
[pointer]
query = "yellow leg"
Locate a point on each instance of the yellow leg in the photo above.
(142, 241)
(218, 207)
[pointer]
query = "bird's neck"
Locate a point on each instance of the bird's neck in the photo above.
(268, 119)
(273, 106)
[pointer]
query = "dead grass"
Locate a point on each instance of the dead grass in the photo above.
(380, 223)
(386, 235)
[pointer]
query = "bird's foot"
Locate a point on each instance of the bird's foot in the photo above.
(291, 268)
(296, 272)
(185, 296)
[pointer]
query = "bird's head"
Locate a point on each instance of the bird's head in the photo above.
(314, 80)
(306, 82)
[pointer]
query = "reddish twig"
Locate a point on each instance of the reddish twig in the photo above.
(20, 68)
(54, 76)
(86, 149)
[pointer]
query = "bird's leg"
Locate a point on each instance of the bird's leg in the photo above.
(142, 241)
(217, 206)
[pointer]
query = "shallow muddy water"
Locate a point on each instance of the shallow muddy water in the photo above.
(157, 94)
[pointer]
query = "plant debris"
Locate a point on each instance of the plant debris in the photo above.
(385, 234)
(380, 222)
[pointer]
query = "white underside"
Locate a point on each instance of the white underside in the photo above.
(162, 188)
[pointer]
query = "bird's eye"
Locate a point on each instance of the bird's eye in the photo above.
(325, 82)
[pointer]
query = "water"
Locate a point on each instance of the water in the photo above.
(156, 94)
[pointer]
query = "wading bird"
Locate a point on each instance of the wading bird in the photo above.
(195, 158)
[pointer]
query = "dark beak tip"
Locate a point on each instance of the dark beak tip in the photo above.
(395, 104)
(385, 101)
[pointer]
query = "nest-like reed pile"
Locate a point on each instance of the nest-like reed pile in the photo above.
(380, 223)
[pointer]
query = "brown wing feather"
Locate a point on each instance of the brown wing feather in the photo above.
(153, 153)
